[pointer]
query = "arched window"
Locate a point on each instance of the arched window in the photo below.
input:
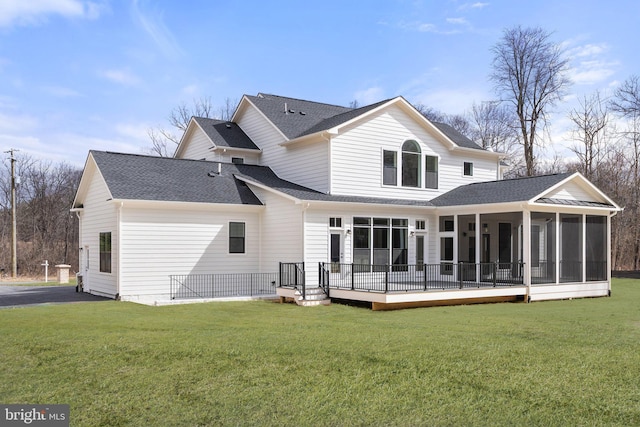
(411, 164)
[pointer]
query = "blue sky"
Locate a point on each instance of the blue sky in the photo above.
(77, 75)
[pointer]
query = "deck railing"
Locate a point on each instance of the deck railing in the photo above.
(222, 285)
(420, 277)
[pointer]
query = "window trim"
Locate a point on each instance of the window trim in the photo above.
(235, 239)
(436, 172)
(464, 169)
(105, 258)
(395, 168)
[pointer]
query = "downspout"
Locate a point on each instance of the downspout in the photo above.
(119, 249)
(80, 249)
(305, 206)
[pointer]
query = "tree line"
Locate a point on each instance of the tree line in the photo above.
(530, 76)
(45, 228)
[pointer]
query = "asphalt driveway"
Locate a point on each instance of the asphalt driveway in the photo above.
(20, 296)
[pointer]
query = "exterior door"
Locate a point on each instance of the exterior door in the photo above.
(419, 253)
(336, 252)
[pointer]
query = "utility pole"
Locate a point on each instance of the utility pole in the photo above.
(14, 245)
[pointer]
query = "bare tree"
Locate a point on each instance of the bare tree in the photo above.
(492, 128)
(529, 72)
(626, 98)
(165, 141)
(590, 119)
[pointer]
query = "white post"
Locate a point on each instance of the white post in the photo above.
(46, 270)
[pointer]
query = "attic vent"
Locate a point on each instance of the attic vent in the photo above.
(302, 113)
(228, 125)
(291, 111)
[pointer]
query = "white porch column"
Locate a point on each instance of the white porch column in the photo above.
(609, 266)
(478, 247)
(557, 260)
(526, 248)
(584, 248)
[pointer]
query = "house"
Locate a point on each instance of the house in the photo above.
(314, 201)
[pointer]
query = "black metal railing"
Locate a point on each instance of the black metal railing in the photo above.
(222, 285)
(420, 277)
(292, 276)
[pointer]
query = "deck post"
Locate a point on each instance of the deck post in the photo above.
(495, 273)
(460, 274)
(386, 279)
(352, 276)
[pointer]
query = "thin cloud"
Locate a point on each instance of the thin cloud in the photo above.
(589, 65)
(476, 5)
(32, 12)
(155, 28)
(369, 95)
(61, 92)
(123, 77)
(426, 27)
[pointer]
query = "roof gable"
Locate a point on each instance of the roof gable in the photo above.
(220, 133)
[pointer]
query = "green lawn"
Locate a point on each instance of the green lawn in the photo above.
(574, 362)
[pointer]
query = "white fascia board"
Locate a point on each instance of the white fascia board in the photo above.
(476, 152)
(341, 205)
(549, 207)
(235, 149)
(90, 169)
(487, 208)
(138, 203)
(246, 101)
(183, 138)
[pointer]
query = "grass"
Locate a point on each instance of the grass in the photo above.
(574, 362)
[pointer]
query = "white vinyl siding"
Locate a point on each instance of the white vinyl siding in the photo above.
(572, 191)
(357, 163)
(307, 164)
(99, 216)
(281, 224)
(198, 146)
(157, 243)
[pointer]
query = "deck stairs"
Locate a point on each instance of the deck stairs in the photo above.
(313, 296)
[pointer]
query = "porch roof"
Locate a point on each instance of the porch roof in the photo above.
(507, 191)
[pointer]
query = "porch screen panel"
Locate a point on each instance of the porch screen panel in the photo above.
(504, 242)
(543, 244)
(596, 248)
(362, 241)
(570, 248)
(446, 255)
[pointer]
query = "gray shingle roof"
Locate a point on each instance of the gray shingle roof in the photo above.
(505, 191)
(225, 134)
(307, 117)
(457, 137)
(300, 115)
(268, 178)
(137, 177)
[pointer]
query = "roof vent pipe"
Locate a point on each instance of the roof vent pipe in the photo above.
(219, 168)
(286, 110)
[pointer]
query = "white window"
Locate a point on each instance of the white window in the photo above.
(411, 164)
(421, 224)
(236, 237)
(335, 222)
(389, 167)
(431, 172)
(468, 169)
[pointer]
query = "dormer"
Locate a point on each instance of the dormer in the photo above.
(217, 140)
